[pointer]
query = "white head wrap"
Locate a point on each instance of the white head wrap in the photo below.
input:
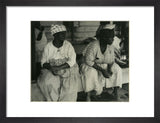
(57, 28)
(109, 26)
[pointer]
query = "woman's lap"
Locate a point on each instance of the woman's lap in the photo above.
(94, 80)
(50, 85)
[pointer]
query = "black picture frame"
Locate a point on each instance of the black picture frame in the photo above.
(3, 60)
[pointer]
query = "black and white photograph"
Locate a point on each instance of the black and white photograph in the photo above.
(89, 62)
(80, 61)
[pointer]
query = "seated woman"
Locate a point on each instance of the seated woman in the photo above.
(100, 69)
(60, 74)
(118, 44)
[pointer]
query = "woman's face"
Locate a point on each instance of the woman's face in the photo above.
(106, 36)
(60, 36)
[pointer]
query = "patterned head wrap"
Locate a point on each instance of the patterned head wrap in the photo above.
(57, 28)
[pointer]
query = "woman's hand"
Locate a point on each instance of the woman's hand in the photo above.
(109, 69)
(61, 67)
(55, 72)
(47, 66)
(55, 68)
(106, 74)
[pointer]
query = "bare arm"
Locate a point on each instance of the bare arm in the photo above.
(97, 67)
(60, 67)
(49, 67)
(105, 73)
(63, 66)
(54, 69)
(120, 62)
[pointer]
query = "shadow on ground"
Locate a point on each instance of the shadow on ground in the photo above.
(106, 96)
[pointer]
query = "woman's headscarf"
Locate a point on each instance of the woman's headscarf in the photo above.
(109, 26)
(57, 28)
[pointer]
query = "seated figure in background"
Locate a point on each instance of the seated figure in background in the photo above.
(59, 77)
(118, 44)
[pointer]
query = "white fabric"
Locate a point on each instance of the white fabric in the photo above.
(64, 85)
(109, 26)
(93, 54)
(52, 52)
(116, 42)
(93, 79)
(59, 88)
